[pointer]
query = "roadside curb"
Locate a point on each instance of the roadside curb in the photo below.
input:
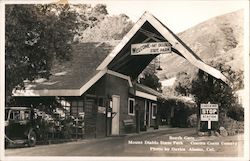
(108, 137)
(150, 131)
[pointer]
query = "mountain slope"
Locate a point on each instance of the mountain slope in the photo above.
(219, 39)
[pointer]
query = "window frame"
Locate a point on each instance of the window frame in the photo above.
(154, 105)
(67, 104)
(131, 99)
(79, 108)
(101, 101)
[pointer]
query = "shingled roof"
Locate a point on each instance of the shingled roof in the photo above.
(76, 72)
(90, 61)
(161, 96)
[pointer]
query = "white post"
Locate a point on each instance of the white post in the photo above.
(209, 124)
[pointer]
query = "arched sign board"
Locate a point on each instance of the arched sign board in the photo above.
(209, 112)
(150, 48)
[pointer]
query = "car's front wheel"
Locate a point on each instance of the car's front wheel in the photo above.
(31, 138)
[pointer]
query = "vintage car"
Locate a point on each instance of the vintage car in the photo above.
(20, 126)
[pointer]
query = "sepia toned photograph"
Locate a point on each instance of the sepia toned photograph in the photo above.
(126, 79)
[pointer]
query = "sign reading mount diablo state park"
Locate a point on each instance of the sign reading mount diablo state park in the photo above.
(150, 48)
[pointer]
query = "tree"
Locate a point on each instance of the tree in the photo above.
(151, 80)
(182, 84)
(100, 9)
(89, 16)
(110, 28)
(35, 35)
(205, 88)
(195, 83)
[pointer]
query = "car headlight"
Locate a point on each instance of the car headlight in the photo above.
(6, 123)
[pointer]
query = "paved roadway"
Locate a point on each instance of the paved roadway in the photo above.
(119, 146)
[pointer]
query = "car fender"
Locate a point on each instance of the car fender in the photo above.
(30, 129)
(26, 133)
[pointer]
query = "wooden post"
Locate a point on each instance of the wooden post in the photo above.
(209, 125)
(198, 116)
(200, 75)
(137, 114)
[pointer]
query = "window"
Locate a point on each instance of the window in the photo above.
(101, 102)
(77, 107)
(154, 110)
(6, 115)
(65, 104)
(72, 107)
(19, 115)
(131, 106)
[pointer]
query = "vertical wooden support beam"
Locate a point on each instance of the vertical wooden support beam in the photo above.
(200, 75)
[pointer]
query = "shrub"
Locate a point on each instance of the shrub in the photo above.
(192, 120)
(236, 113)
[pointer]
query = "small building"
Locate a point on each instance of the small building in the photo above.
(171, 111)
(98, 82)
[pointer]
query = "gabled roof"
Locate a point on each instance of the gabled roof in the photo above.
(178, 46)
(92, 60)
(71, 77)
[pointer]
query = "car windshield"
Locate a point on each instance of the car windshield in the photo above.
(19, 115)
(6, 114)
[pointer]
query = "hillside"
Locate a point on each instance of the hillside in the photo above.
(219, 38)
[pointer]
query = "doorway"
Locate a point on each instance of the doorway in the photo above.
(116, 115)
(147, 113)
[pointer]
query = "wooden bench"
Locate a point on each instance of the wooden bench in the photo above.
(129, 125)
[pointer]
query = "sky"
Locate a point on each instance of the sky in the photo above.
(178, 15)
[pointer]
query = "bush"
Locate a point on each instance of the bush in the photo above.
(232, 126)
(181, 113)
(192, 120)
(236, 113)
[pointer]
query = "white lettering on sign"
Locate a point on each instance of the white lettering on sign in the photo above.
(209, 105)
(209, 117)
(150, 48)
(209, 112)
